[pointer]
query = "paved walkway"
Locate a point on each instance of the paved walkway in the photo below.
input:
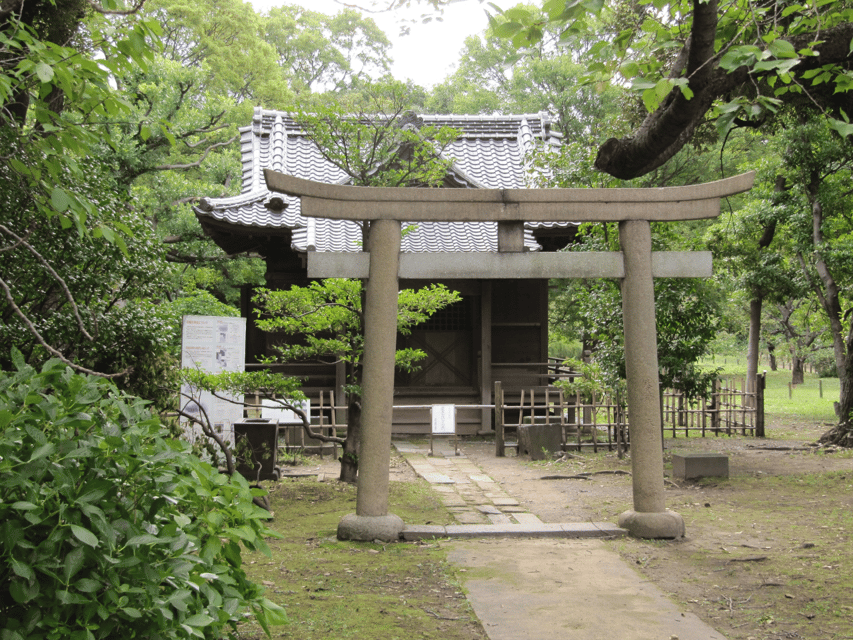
(532, 580)
(479, 504)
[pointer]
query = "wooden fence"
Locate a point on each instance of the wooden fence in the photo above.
(731, 409)
(602, 421)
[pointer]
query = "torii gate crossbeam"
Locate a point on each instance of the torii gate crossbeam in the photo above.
(634, 209)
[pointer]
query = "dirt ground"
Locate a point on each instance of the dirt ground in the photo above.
(767, 553)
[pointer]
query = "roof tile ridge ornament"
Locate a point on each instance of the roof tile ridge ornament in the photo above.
(275, 203)
(278, 145)
(257, 131)
(526, 145)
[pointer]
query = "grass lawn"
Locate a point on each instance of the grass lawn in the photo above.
(786, 405)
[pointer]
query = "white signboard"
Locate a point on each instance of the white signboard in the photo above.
(443, 419)
(213, 344)
(272, 410)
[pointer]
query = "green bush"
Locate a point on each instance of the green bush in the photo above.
(109, 529)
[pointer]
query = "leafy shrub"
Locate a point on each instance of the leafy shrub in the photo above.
(109, 529)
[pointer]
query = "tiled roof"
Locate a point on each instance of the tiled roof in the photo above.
(489, 153)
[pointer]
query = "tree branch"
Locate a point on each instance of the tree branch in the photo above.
(115, 12)
(665, 131)
(57, 354)
(197, 163)
(59, 280)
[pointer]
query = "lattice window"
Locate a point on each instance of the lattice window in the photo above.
(456, 317)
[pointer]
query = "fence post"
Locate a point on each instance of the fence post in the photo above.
(715, 407)
(760, 384)
(500, 450)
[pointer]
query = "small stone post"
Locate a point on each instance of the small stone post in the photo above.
(649, 518)
(371, 521)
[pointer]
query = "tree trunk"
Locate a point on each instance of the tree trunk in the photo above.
(842, 433)
(797, 371)
(830, 299)
(771, 352)
(349, 457)
(753, 346)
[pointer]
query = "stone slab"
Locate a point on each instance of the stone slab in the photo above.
(526, 518)
(433, 477)
(499, 518)
(487, 508)
(480, 477)
(568, 590)
(470, 517)
(423, 532)
(539, 441)
(411, 449)
(700, 465)
(452, 500)
(505, 502)
(593, 530)
(505, 530)
(509, 530)
(443, 488)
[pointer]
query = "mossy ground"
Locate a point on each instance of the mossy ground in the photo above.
(334, 589)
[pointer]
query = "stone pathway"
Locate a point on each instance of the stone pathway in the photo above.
(524, 584)
(479, 505)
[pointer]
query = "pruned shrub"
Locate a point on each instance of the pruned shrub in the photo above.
(108, 528)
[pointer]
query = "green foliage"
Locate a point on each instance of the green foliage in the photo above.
(323, 52)
(643, 45)
(84, 295)
(286, 390)
(371, 135)
(49, 138)
(326, 316)
(588, 381)
(110, 528)
(494, 76)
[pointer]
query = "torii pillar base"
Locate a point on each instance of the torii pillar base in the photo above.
(386, 528)
(653, 524)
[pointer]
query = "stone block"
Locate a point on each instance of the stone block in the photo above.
(423, 532)
(593, 530)
(539, 441)
(700, 465)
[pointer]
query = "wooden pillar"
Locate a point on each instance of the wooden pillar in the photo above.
(371, 520)
(486, 354)
(649, 518)
(500, 448)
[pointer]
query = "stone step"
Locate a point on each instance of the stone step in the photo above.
(526, 530)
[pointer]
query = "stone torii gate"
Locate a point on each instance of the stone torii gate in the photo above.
(383, 265)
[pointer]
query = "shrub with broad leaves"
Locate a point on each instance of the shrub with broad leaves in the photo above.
(109, 528)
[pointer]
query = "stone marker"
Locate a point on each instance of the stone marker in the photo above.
(539, 441)
(700, 465)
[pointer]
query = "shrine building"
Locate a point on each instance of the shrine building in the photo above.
(498, 331)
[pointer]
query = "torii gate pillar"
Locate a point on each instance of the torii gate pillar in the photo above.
(635, 265)
(372, 521)
(649, 518)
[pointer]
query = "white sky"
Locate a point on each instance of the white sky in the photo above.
(430, 51)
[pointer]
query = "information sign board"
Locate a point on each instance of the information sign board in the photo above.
(213, 344)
